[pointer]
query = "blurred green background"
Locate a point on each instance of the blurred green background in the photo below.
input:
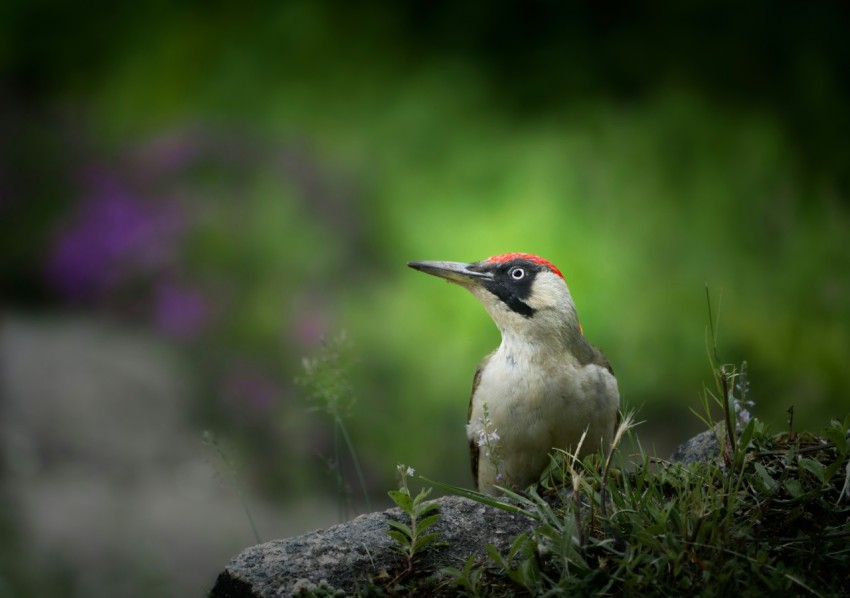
(230, 184)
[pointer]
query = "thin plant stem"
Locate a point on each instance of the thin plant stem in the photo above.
(721, 376)
(360, 478)
(250, 517)
(343, 504)
(727, 407)
(326, 381)
(711, 325)
(228, 471)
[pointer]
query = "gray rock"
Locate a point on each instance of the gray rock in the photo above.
(701, 448)
(348, 555)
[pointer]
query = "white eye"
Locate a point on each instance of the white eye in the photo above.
(517, 273)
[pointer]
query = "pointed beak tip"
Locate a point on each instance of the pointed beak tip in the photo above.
(450, 271)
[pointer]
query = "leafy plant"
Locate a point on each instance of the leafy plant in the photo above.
(412, 539)
(519, 566)
(468, 579)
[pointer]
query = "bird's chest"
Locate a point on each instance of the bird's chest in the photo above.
(524, 396)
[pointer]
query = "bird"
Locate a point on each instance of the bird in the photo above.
(545, 386)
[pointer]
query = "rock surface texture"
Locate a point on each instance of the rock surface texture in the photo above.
(346, 556)
(702, 448)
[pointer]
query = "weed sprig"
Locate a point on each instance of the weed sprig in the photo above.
(326, 379)
(411, 539)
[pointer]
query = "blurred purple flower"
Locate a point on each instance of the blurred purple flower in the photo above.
(247, 384)
(114, 235)
(179, 311)
(310, 328)
(170, 152)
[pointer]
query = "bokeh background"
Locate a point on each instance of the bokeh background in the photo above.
(193, 195)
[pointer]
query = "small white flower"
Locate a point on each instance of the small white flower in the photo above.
(494, 436)
(410, 471)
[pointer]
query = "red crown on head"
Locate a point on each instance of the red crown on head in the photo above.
(534, 259)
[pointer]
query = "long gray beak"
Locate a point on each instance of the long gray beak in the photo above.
(452, 271)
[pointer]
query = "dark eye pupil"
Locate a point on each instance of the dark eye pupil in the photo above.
(517, 273)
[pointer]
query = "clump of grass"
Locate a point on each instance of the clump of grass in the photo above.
(778, 523)
(326, 380)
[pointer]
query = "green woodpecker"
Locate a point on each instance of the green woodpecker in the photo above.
(544, 386)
